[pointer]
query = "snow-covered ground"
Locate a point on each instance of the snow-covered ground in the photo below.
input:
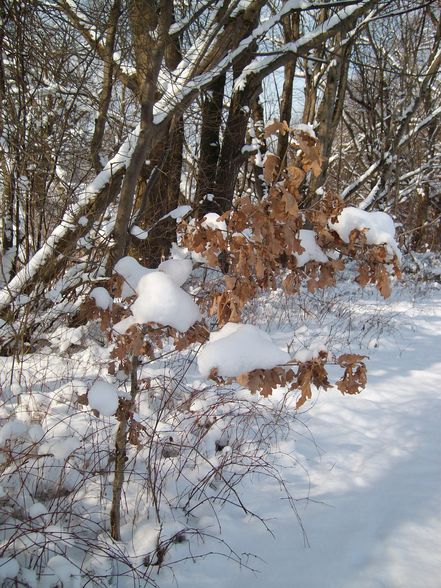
(358, 498)
(369, 467)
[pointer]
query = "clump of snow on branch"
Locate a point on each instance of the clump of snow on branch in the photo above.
(378, 226)
(305, 128)
(238, 348)
(179, 270)
(312, 250)
(211, 221)
(103, 397)
(102, 298)
(178, 213)
(310, 353)
(162, 301)
(139, 233)
(132, 271)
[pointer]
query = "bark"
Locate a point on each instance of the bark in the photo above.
(209, 146)
(126, 410)
(161, 197)
(331, 107)
(231, 156)
(149, 54)
(163, 194)
(259, 127)
(291, 31)
(106, 91)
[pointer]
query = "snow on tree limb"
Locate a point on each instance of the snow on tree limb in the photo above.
(69, 224)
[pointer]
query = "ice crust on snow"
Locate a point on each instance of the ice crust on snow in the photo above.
(380, 227)
(162, 301)
(238, 348)
(103, 397)
(312, 250)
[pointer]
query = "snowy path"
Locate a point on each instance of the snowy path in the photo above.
(373, 518)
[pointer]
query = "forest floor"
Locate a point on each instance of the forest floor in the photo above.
(367, 479)
(360, 505)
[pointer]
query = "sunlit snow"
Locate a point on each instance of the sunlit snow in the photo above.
(162, 301)
(239, 348)
(378, 226)
(103, 397)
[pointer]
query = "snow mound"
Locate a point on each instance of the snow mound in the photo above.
(61, 570)
(104, 398)
(162, 301)
(178, 269)
(37, 509)
(239, 348)
(312, 250)
(13, 429)
(380, 227)
(132, 271)
(9, 568)
(102, 298)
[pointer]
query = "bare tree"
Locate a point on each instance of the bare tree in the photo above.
(164, 56)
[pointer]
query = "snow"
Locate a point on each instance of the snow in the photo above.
(310, 353)
(9, 568)
(61, 570)
(365, 474)
(13, 429)
(178, 212)
(60, 448)
(160, 300)
(379, 226)
(312, 250)
(139, 233)
(124, 324)
(178, 269)
(305, 128)
(102, 298)
(211, 221)
(104, 398)
(37, 510)
(132, 271)
(238, 348)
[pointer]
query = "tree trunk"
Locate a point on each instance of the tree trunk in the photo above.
(291, 31)
(209, 146)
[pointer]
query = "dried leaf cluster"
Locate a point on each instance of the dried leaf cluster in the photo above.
(259, 250)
